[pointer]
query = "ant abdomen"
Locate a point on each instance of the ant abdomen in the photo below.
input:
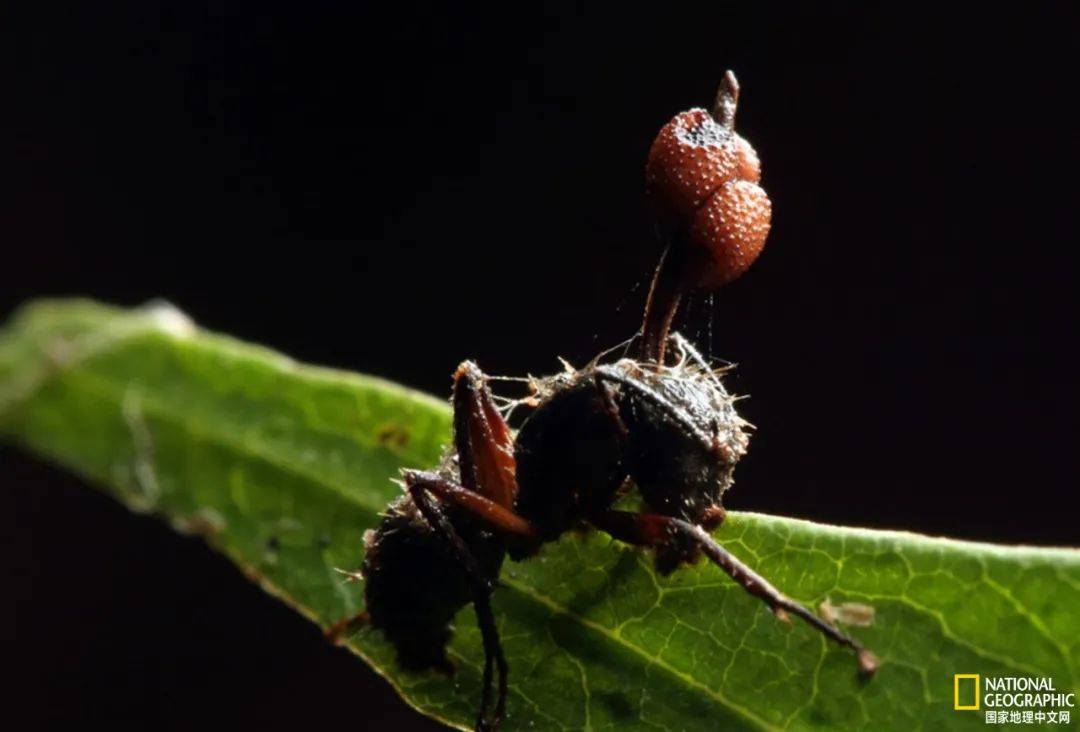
(415, 583)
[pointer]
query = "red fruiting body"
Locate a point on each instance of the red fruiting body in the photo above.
(690, 158)
(703, 177)
(728, 233)
(749, 165)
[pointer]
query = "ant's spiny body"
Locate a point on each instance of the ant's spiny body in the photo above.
(662, 422)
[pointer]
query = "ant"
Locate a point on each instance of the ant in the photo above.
(662, 422)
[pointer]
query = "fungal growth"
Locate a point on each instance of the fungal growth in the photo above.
(661, 424)
(702, 179)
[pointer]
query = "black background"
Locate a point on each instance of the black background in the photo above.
(391, 189)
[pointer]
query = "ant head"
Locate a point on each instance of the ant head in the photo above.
(684, 436)
(703, 177)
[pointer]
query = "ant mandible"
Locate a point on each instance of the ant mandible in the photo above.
(662, 422)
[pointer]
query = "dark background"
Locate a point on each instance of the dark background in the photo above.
(391, 189)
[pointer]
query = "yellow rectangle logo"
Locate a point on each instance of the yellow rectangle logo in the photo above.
(956, 692)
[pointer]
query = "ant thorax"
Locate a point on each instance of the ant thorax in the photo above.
(671, 428)
(688, 383)
(698, 392)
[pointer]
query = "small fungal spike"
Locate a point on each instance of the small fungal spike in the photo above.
(703, 177)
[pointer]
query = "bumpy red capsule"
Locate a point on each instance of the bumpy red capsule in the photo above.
(703, 177)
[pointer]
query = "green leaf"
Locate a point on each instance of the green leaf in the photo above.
(283, 467)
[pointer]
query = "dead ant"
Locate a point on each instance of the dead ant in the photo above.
(662, 422)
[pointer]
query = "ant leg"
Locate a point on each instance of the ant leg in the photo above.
(481, 591)
(482, 439)
(653, 530)
(499, 519)
(337, 632)
(485, 452)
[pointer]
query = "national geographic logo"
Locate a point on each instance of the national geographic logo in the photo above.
(972, 697)
(1013, 699)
